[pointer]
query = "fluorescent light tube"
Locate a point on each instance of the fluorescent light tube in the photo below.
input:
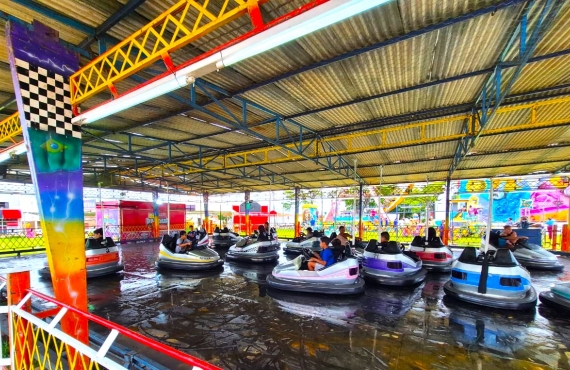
(301, 25)
(7, 153)
(153, 90)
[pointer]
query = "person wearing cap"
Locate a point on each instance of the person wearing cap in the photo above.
(325, 258)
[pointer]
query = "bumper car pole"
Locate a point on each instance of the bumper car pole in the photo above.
(482, 288)
(380, 207)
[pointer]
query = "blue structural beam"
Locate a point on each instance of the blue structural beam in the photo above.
(92, 33)
(448, 22)
(118, 16)
(499, 84)
(334, 163)
(481, 72)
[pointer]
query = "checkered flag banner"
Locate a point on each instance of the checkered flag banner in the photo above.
(46, 100)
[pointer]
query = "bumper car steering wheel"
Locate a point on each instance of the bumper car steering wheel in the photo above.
(307, 253)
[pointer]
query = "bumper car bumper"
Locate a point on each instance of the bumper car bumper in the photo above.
(253, 257)
(552, 300)
(316, 287)
(189, 266)
(223, 242)
(410, 279)
(525, 303)
(541, 264)
(437, 267)
(92, 272)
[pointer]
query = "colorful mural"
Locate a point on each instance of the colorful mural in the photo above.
(41, 67)
(538, 199)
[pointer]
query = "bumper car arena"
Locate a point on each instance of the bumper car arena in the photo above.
(285, 184)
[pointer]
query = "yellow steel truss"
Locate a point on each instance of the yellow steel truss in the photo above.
(353, 143)
(10, 127)
(183, 23)
(379, 139)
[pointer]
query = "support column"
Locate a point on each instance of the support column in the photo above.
(17, 284)
(248, 230)
(565, 247)
(360, 208)
(155, 215)
(380, 206)
(206, 222)
(445, 237)
(167, 210)
(297, 223)
(40, 68)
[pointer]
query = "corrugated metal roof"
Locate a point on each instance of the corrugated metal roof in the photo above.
(465, 47)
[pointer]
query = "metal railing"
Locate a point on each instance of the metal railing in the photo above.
(23, 241)
(460, 236)
(17, 241)
(37, 341)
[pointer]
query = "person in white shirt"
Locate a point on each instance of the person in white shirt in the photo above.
(182, 243)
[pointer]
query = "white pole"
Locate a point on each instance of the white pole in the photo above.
(322, 213)
(168, 210)
(380, 203)
(102, 209)
(200, 212)
(427, 214)
(354, 211)
(489, 216)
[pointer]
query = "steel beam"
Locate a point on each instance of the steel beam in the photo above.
(316, 148)
(463, 107)
(394, 137)
(446, 23)
(498, 86)
(153, 43)
(110, 22)
(430, 84)
(449, 22)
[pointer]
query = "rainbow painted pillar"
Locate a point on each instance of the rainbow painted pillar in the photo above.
(206, 223)
(155, 215)
(40, 68)
(248, 229)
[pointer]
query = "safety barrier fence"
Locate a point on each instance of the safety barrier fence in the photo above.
(464, 236)
(18, 241)
(37, 341)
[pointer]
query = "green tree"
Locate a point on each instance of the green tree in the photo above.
(289, 200)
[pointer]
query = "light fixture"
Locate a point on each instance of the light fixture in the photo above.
(169, 83)
(8, 153)
(553, 144)
(320, 17)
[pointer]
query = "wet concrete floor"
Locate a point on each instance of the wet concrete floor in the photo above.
(231, 318)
